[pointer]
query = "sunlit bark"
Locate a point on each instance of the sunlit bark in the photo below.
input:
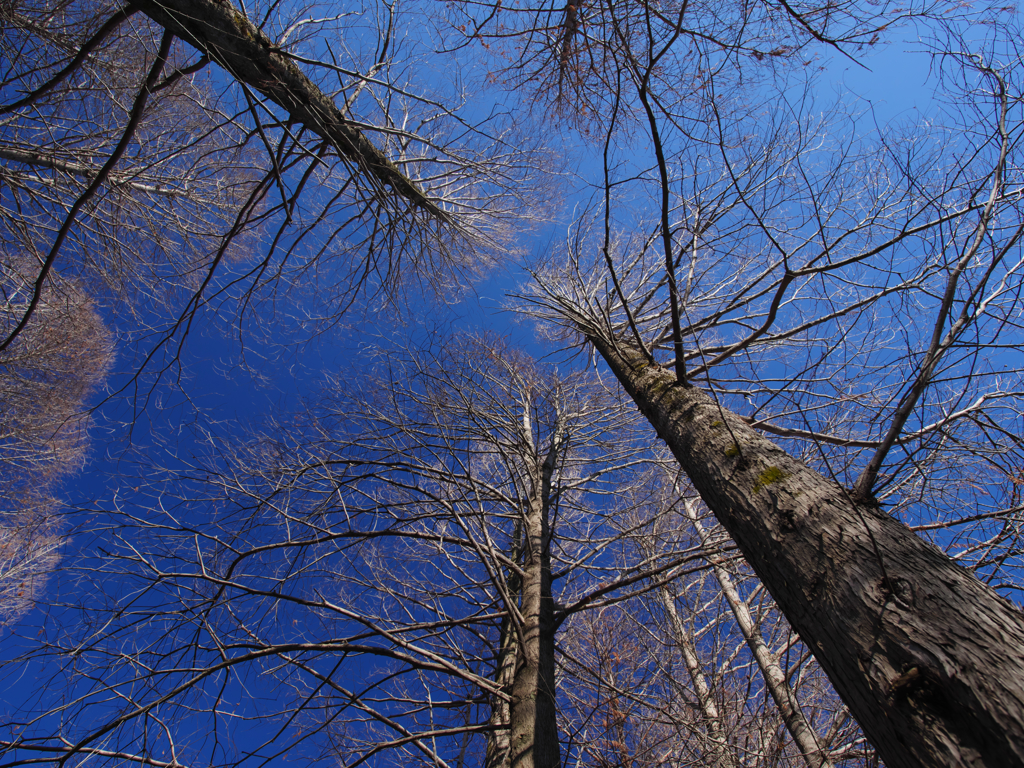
(533, 740)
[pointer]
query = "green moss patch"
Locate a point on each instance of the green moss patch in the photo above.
(768, 477)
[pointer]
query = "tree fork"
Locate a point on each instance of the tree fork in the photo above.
(929, 660)
(222, 32)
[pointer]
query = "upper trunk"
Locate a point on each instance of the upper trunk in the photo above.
(224, 33)
(534, 732)
(929, 660)
(527, 729)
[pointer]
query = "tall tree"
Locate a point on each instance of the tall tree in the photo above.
(673, 677)
(851, 296)
(386, 574)
(190, 162)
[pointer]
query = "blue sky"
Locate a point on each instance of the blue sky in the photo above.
(221, 392)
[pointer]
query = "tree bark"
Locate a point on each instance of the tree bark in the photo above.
(719, 752)
(526, 727)
(222, 32)
(534, 729)
(498, 739)
(929, 660)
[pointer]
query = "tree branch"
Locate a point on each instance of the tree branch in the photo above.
(223, 33)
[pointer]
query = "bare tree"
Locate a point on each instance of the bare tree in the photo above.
(45, 382)
(183, 175)
(674, 676)
(850, 296)
(187, 162)
(385, 577)
(768, 662)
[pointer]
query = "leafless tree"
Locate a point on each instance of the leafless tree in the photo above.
(753, 265)
(45, 381)
(184, 162)
(768, 662)
(381, 580)
(678, 675)
(270, 173)
(852, 295)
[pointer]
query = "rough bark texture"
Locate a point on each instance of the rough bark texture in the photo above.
(221, 31)
(929, 660)
(498, 740)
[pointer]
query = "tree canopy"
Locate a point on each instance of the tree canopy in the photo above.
(439, 547)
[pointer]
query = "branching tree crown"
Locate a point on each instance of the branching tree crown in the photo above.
(754, 266)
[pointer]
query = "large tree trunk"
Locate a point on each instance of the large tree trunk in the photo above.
(929, 660)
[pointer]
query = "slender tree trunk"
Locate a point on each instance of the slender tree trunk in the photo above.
(929, 660)
(534, 730)
(771, 670)
(498, 740)
(718, 750)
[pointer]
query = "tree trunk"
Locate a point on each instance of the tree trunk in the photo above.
(534, 733)
(929, 660)
(527, 728)
(534, 730)
(497, 755)
(771, 670)
(718, 752)
(223, 33)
